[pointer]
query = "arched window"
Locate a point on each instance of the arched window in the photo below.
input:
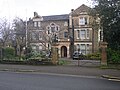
(52, 28)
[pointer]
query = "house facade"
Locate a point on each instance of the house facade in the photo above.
(44, 30)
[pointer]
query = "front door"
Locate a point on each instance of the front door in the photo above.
(63, 51)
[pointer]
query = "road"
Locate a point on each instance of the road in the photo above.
(30, 81)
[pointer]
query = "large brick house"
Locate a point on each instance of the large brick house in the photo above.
(42, 31)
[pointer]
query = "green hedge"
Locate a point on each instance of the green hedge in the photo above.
(93, 56)
(113, 56)
(8, 52)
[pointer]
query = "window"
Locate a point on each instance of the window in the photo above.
(82, 34)
(39, 24)
(78, 32)
(65, 24)
(87, 33)
(65, 34)
(87, 49)
(48, 46)
(53, 29)
(82, 48)
(57, 28)
(48, 27)
(83, 21)
(87, 46)
(48, 31)
(35, 35)
(78, 46)
(35, 24)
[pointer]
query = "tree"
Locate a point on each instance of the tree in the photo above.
(5, 32)
(109, 12)
(20, 35)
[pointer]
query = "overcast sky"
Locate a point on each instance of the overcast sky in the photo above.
(25, 8)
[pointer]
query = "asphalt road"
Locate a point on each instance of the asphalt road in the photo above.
(29, 81)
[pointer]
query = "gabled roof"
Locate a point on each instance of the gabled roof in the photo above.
(82, 8)
(56, 17)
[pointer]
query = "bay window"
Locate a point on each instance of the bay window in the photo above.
(84, 48)
(83, 34)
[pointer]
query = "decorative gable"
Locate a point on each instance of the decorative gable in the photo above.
(83, 9)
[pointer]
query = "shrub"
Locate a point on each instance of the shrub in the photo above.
(113, 56)
(93, 56)
(9, 52)
(62, 62)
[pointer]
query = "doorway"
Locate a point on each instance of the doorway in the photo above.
(63, 51)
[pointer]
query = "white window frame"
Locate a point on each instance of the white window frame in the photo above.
(84, 48)
(78, 34)
(35, 24)
(39, 24)
(82, 35)
(53, 25)
(87, 48)
(83, 21)
(86, 34)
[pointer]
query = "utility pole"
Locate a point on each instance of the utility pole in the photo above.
(26, 37)
(72, 36)
(26, 33)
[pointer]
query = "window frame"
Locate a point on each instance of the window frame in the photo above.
(65, 34)
(83, 21)
(80, 34)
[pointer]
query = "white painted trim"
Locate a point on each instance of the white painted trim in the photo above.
(90, 43)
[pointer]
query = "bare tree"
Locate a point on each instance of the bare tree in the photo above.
(5, 32)
(19, 31)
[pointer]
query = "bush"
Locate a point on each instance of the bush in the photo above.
(8, 52)
(113, 56)
(93, 56)
(62, 62)
(38, 58)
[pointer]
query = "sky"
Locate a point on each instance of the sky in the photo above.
(24, 8)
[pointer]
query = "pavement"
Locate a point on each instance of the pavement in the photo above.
(70, 69)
